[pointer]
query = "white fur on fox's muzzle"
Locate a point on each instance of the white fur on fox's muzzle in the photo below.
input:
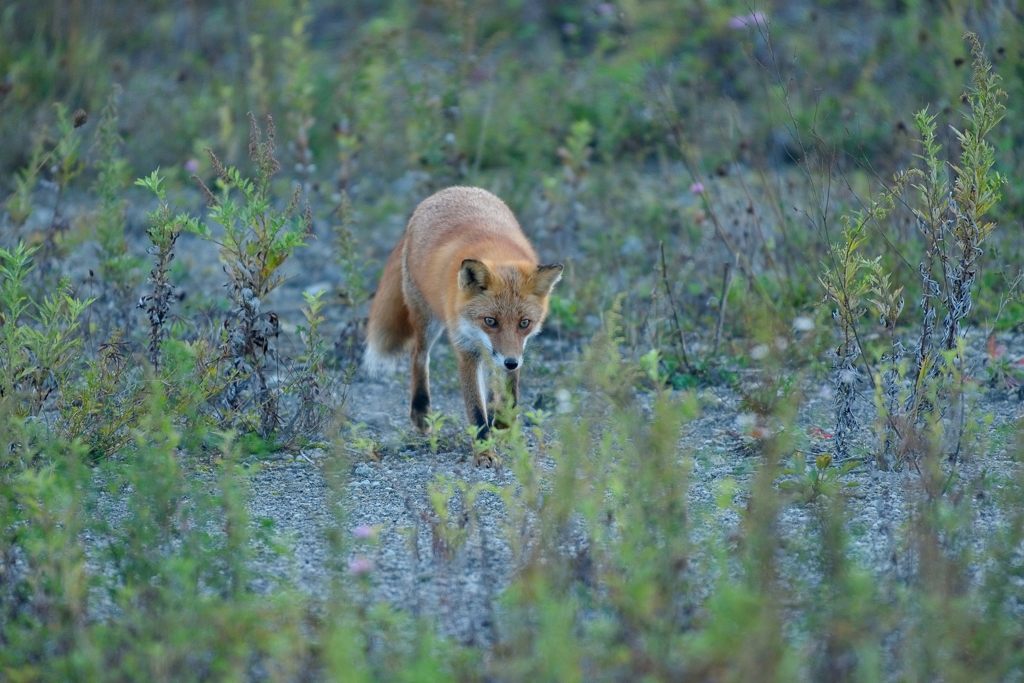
(469, 337)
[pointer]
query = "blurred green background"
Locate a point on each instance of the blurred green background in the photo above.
(497, 85)
(596, 122)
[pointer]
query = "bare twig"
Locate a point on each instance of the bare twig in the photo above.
(675, 313)
(483, 133)
(742, 262)
(727, 273)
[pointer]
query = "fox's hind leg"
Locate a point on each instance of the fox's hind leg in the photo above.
(419, 366)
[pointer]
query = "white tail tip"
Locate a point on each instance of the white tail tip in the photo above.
(377, 364)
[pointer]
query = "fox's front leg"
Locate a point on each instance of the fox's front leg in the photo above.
(470, 373)
(471, 377)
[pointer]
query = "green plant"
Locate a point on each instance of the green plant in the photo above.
(448, 534)
(952, 214)
(257, 239)
(118, 268)
(63, 162)
(363, 446)
(38, 341)
(822, 478)
(43, 511)
(101, 405)
(848, 279)
(1002, 372)
(313, 385)
(20, 205)
(612, 515)
(564, 312)
(353, 265)
(574, 156)
(951, 219)
(66, 164)
(298, 90)
(163, 233)
(435, 423)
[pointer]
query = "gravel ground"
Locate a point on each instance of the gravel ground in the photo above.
(392, 495)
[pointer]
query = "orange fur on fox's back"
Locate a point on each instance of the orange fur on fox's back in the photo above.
(389, 330)
(456, 224)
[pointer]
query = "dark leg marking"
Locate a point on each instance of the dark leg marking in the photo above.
(482, 424)
(421, 403)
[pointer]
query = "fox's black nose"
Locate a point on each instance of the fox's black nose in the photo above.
(511, 363)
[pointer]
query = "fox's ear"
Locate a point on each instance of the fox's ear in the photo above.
(545, 278)
(474, 276)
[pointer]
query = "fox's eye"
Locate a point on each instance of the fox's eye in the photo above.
(491, 322)
(524, 323)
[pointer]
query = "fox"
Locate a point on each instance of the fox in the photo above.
(463, 266)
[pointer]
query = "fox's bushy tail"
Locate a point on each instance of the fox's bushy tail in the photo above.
(389, 329)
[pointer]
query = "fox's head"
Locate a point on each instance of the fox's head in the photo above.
(503, 306)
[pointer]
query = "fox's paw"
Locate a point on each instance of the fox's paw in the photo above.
(486, 458)
(419, 421)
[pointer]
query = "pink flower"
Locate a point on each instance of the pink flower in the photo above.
(363, 531)
(697, 188)
(741, 21)
(192, 166)
(360, 566)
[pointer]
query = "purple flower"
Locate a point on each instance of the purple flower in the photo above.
(363, 531)
(360, 566)
(697, 188)
(606, 9)
(741, 21)
(192, 166)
